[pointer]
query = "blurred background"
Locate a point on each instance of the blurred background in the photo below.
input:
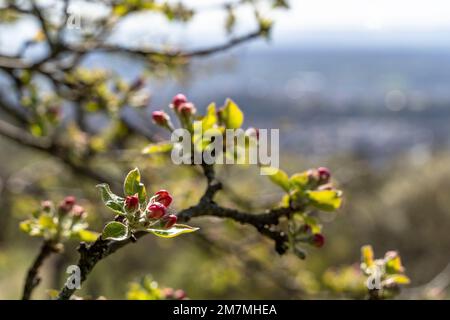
(358, 86)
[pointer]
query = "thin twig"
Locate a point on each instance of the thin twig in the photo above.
(100, 249)
(33, 279)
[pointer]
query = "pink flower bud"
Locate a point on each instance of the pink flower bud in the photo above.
(187, 109)
(179, 294)
(78, 212)
(70, 200)
(46, 205)
(178, 100)
(67, 204)
(253, 132)
(169, 221)
(160, 118)
(318, 240)
(156, 210)
(324, 174)
(168, 293)
(131, 203)
(163, 197)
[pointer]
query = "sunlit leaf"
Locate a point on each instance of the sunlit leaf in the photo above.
(25, 226)
(47, 222)
(161, 147)
(231, 115)
(393, 263)
(277, 176)
(299, 180)
(115, 231)
(367, 255)
(52, 293)
(397, 279)
(326, 200)
(176, 230)
(133, 185)
(86, 235)
(112, 201)
(210, 118)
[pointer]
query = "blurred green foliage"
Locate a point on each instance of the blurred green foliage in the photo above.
(401, 206)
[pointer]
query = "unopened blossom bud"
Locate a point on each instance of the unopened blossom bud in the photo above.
(67, 204)
(163, 197)
(78, 212)
(169, 221)
(318, 240)
(156, 210)
(187, 109)
(313, 176)
(131, 204)
(160, 118)
(46, 206)
(179, 294)
(324, 174)
(168, 293)
(252, 132)
(178, 100)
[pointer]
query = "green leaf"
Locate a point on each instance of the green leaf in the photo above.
(25, 226)
(299, 181)
(52, 293)
(112, 201)
(161, 147)
(231, 115)
(46, 222)
(176, 230)
(397, 279)
(326, 200)
(133, 185)
(210, 118)
(120, 10)
(393, 263)
(277, 176)
(115, 231)
(367, 255)
(313, 223)
(86, 235)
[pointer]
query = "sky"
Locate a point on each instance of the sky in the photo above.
(356, 14)
(424, 22)
(365, 23)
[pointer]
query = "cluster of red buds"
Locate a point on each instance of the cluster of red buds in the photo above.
(157, 208)
(171, 294)
(183, 108)
(67, 206)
